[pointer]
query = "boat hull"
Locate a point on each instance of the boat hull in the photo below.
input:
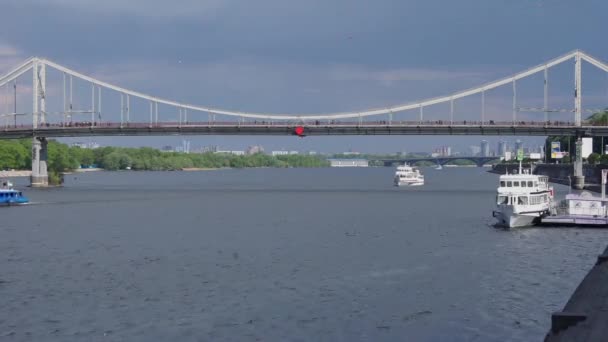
(515, 220)
(409, 183)
(10, 204)
(507, 218)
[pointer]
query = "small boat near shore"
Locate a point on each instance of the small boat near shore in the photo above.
(522, 199)
(10, 196)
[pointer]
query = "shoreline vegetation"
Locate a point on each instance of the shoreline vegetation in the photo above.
(16, 155)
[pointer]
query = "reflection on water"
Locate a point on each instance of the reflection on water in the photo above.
(281, 254)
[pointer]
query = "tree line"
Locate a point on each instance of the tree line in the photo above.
(16, 154)
(568, 144)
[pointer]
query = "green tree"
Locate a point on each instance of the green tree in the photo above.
(593, 158)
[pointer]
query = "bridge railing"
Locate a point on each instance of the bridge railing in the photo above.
(330, 124)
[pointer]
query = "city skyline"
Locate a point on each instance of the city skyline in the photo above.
(499, 149)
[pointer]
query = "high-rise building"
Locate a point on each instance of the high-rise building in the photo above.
(484, 148)
(474, 150)
(446, 151)
(186, 146)
(502, 148)
(518, 145)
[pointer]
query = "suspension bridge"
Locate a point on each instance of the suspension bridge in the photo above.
(177, 118)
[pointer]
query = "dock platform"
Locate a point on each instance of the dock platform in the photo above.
(582, 220)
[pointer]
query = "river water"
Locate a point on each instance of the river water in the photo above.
(280, 255)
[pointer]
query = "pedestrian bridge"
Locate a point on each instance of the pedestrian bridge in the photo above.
(302, 129)
(59, 109)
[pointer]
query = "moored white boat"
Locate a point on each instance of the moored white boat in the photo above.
(522, 199)
(406, 175)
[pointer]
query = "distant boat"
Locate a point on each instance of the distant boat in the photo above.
(10, 196)
(406, 175)
(439, 167)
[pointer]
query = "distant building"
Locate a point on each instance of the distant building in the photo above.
(255, 149)
(294, 152)
(474, 150)
(443, 151)
(350, 153)
(518, 145)
(484, 148)
(348, 162)
(502, 148)
(91, 145)
(238, 153)
(186, 146)
(167, 148)
(279, 153)
(205, 149)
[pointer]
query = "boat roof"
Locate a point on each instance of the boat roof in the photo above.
(521, 176)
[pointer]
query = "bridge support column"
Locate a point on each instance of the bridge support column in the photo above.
(578, 181)
(40, 175)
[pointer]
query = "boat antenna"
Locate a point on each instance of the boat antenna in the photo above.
(520, 166)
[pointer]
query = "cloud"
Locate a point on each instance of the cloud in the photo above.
(10, 57)
(263, 86)
(390, 76)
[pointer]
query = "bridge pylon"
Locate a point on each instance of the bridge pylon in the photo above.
(40, 175)
(578, 180)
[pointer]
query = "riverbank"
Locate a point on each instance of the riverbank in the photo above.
(198, 169)
(585, 315)
(15, 173)
(89, 169)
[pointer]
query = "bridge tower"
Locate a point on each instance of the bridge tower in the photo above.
(40, 176)
(579, 178)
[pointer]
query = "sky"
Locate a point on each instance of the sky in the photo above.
(313, 56)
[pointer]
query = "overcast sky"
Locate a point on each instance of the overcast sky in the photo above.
(310, 56)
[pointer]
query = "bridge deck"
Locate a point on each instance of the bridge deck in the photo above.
(263, 128)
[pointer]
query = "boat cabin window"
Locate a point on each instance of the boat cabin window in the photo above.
(502, 200)
(522, 200)
(516, 184)
(536, 184)
(502, 184)
(509, 184)
(530, 184)
(523, 184)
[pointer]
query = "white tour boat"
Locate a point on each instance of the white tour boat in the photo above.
(406, 175)
(522, 199)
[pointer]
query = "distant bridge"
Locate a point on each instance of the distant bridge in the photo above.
(479, 161)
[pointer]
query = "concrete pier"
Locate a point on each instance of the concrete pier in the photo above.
(40, 175)
(578, 180)
(585, 316)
